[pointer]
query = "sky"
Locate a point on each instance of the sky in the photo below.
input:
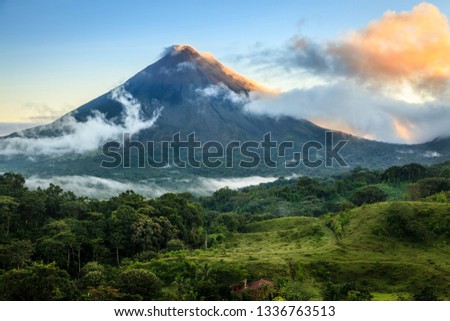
(57, 55)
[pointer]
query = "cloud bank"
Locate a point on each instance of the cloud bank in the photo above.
(400, 51)
(103, 188)
(388, 81)
(348, 107)
(81, 137)
(408, 48)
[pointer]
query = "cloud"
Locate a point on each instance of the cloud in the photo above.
(432, 154)
(81, 137)
(221, 91)
(186, 66)
(311, 56)
(361, 111)
(44, 113)
(210, 184)
(406, 51)
(410, 47)
(388, 81)
(96, 187)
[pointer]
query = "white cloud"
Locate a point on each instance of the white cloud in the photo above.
(211, 184)
(186, 66)
(81, 137)
(94, 187)
(103, 188)
(363, 111)
(432, 154)
(221, 91)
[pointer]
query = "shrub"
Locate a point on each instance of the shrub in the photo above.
(427, 293)
(175, 245)
(139, 282)
(346, 292)
(404, 223)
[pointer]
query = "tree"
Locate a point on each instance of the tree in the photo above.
(96, 226)
(12, 184)
(62, 239)
(225, 221)
(403, 222)
(152, 233)
(94, 275)
(53, 200)
(205, 284)
(222, 200)
(102, 293)
(413, 172)
(145, 233)
(37, 283)
(17, 254)
(427, 187)
(78, 228)
(184, 215)
(367, 195)
(346, 292)
(183, 290)
(225, 275)
(74, 208)
(169, 270)
(8, 214)
(409, 173)
(32, 208)
(139, 282)
(128, 198)
(427, 293)
(121, 223)
(175, 245)
(310, 187)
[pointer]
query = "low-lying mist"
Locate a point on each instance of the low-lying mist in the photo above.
(103, 188)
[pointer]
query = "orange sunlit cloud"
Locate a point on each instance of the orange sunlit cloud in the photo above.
(335, 124)
(388, 81)
(402, 130)
(407, 47)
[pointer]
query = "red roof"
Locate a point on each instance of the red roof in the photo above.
(260, 283)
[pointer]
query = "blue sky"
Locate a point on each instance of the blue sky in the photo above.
(57, 55)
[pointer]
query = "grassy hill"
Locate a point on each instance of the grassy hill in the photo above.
(357, 246)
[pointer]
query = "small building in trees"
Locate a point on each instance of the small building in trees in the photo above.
(261, 289)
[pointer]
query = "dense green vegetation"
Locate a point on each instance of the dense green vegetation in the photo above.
(361, 235)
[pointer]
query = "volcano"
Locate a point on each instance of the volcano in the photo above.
(197, 94)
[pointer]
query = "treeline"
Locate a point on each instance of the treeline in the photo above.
(56, 245)
(307, 196)
(60, 227)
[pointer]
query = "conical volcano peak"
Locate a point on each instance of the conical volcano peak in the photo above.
(182, 68)
(186, 52)
(183, 48)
